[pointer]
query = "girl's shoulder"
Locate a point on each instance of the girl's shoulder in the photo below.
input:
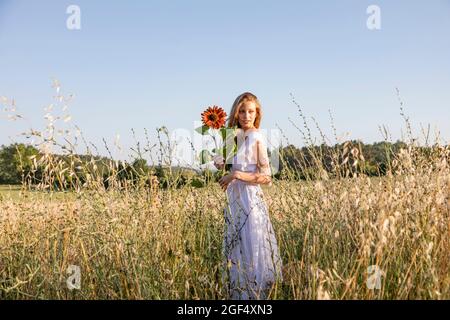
(255, 135)
(253, 132)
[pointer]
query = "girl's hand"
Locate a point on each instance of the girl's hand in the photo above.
(226, 180)
(219, 162)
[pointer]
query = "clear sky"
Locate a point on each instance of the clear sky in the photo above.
(144, 64)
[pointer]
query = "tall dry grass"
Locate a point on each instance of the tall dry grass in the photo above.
(140, 241)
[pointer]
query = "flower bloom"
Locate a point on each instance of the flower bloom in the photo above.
(214, 117)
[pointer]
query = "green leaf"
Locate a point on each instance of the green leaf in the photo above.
(217, 151)
(229, 152)
(229, 144)
(205, 156)
(223, 133)
(202, 130)
(228, 133)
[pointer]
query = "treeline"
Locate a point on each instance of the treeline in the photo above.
(20, 163)
(24, 164)
(342, 159)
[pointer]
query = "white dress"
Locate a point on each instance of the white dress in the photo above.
(252, 260)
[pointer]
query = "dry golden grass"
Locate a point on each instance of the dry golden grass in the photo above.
(169, 247)
(153, 243)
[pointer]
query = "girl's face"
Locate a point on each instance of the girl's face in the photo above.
(247, 115)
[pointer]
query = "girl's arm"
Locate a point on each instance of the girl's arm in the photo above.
(251, 177)
(263, 176)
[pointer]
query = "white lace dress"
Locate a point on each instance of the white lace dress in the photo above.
(252, 260)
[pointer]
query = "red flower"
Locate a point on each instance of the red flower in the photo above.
(214, 117)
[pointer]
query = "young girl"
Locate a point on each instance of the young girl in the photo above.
(251, 253)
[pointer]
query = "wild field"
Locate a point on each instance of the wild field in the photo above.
(341, 233)
(166, 244)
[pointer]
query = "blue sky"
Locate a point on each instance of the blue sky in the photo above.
(143, 64)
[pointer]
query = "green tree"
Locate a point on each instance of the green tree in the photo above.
(15, 161)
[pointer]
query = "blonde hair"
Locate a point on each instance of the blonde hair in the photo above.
(233, 120)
